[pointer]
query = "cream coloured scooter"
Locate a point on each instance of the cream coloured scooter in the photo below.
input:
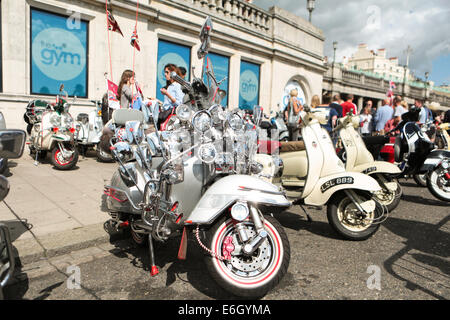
(314, 175)
(359, 159)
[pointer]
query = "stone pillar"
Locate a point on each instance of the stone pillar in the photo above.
(360, 104)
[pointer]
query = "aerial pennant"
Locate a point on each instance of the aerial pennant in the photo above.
(135, 40)
(112, 24)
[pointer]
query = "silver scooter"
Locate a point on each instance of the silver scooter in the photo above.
(180, 181)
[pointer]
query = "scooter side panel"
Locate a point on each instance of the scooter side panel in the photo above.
(377, 167)
(329, 185)
(295, 164)
(230, 189)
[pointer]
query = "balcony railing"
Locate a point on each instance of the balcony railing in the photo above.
(245, 14)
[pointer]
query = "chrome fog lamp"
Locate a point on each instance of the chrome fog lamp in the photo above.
(256, 167)
(236, 122)
(217, 113)
(207, 153)
(202, 121)
(183, 112)
(239, 211)
(55, 120)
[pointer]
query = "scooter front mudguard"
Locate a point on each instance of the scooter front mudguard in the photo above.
(378, 167)
(230, 189)
(329, 185)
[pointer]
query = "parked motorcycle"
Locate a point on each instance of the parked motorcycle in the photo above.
(195, 178)
(12, 144)
(418, 155)
(89, 128)
(314, 175)
(53, 131)
(357, 158)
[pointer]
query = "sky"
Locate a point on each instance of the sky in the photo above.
(389, 24)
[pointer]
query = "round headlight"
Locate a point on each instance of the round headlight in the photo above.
(445, 164)
(236, 122)
(207, 153)
(202, 121)
(239, 211)
(183, 112)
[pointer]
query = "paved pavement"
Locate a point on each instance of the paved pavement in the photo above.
(48, 209)
(410, 252)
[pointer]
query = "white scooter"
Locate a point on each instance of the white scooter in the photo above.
(359, 159)
(317, 177)
(55, 133)
(89, 128)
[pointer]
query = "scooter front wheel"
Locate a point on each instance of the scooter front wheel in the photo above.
(348, 221)
(438, 182)
(62, 163)
(252, 275)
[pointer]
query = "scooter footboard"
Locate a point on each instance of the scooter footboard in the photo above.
(327, 186)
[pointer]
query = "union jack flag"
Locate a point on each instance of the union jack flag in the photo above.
(112, 24)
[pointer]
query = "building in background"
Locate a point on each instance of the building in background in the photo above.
(377, 64)
(46, 43)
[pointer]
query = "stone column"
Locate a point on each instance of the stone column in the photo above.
(360, 104)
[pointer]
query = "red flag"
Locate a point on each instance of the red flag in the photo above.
(112, 24)
(113, 102)
(135, 40)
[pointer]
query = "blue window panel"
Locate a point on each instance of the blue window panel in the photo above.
(249, 85)
(59, 47)
(221, 68)
(169, 52)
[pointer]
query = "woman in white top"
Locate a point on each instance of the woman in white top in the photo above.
(365, 119)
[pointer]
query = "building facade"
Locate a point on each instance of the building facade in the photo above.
(260, 54)
(378, 64)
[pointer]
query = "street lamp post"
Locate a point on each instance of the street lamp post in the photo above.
(426, 85)
(310, 6)
(335, 43)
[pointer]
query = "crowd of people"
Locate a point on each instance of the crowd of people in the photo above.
(373, 120)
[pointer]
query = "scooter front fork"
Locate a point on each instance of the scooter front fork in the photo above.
(252, 244)
(356, 200)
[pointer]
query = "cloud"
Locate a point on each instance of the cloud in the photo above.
(393, 25)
